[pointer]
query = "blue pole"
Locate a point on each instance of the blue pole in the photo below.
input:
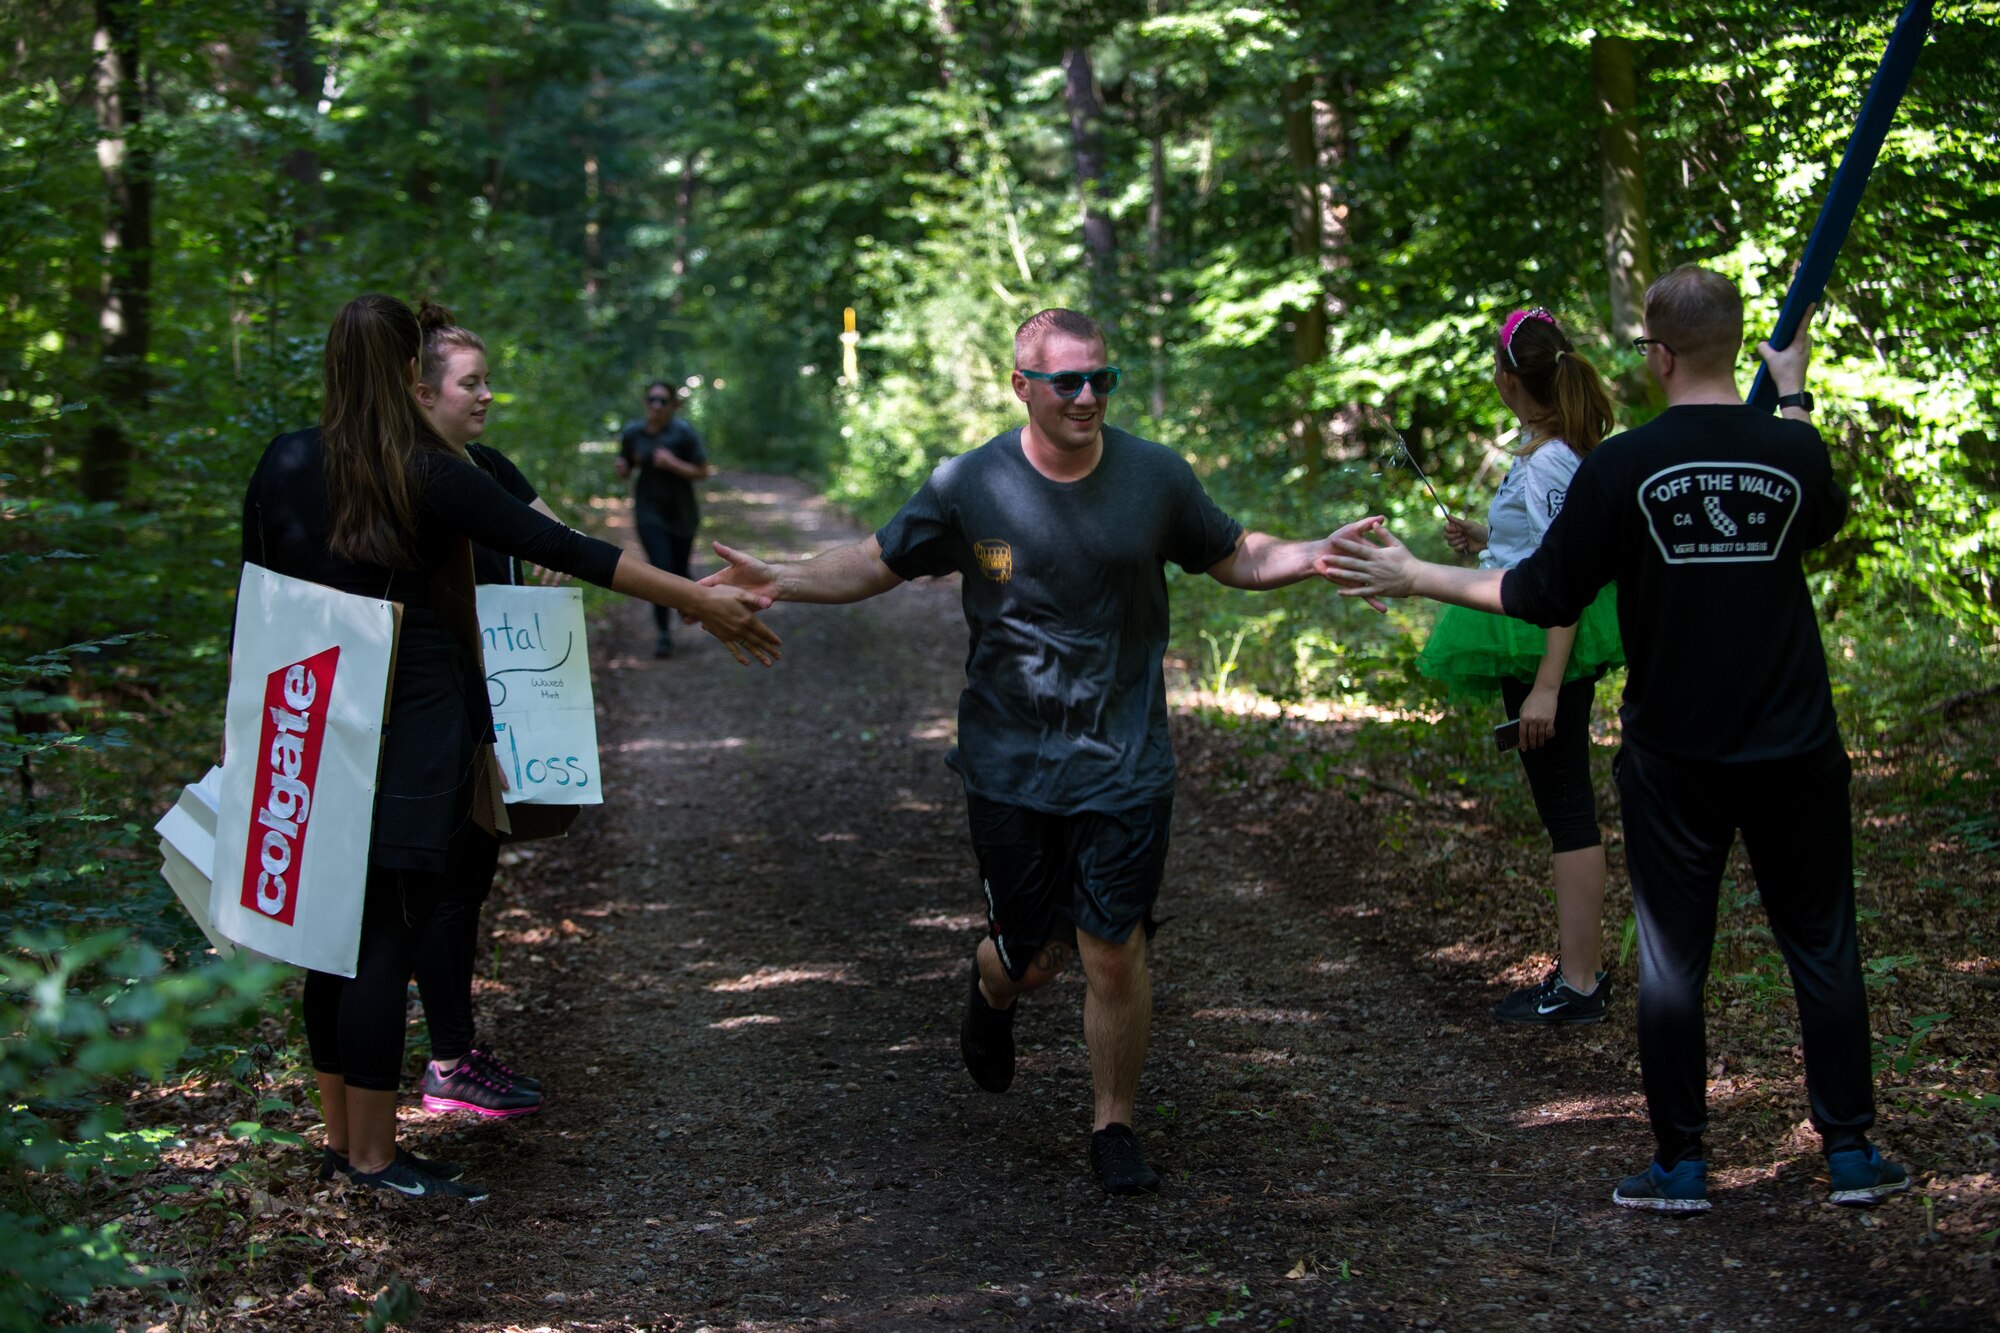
(1843, 197)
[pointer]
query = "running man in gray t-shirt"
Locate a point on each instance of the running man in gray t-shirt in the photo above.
(1061, 530)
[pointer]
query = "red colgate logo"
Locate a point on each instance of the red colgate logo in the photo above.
(295, 699)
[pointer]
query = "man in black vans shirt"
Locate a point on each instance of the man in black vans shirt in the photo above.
(1701, 516)
(1061, 530)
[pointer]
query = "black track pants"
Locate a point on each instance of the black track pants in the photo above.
(451, 947)
(1680, 819)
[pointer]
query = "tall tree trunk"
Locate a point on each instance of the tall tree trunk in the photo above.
(123, 384)
(1628, 246)
(423, 185)
(1315, 140)
(1308, 320)
(1330, 130)
(593, 190)
(496, 128)
(1156, 247)
(1086, 132)
(305, 75)
(683, 229)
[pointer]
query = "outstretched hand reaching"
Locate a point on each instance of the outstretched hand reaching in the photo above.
(1370, 564)
(745, 571)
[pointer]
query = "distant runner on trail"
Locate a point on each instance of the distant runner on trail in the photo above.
(667, 457)
(1701, 515)
(1061, 529)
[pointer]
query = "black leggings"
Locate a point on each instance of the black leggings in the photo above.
(355, 1027)
(451, 947)
(666, 549)
(1559, 772)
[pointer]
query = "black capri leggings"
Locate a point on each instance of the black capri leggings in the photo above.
(355, 1027)
(1559, 772)
(451, 946)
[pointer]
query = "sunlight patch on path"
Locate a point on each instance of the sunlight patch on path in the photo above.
(765, 978)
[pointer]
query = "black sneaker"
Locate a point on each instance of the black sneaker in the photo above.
(333, 1164)
(663, 646)
(468, 1088)
(1860, 1178)
(406, 1180)
(1555, 1002)
(986, 1039)
(486, 1064)
(1684, 1189)
(1120, 1166)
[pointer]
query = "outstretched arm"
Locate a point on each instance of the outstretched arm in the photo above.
(1381, 566)
(844, 574)
(730, 614)
(1261, 561)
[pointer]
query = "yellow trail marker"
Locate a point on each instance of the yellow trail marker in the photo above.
(850, 364)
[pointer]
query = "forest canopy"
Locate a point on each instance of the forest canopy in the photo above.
(1301, 223)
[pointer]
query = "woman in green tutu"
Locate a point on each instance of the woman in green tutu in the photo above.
(1545, 678)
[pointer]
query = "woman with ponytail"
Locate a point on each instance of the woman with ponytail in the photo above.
(376, 501)
(454, 388)
(1547, 679)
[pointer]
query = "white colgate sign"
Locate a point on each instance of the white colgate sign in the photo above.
(308, 685)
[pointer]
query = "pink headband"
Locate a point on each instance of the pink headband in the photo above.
(1514, 322)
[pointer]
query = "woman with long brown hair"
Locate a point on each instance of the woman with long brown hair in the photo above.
(1547, 679)
(375, 501)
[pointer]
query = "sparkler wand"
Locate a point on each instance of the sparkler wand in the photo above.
(1403, 448)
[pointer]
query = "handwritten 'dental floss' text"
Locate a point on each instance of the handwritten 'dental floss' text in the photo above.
(288, 752)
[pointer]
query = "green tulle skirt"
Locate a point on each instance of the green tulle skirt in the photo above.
(1471, 652)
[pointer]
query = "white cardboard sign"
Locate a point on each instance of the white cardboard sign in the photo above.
(308, 685)
(538, 681)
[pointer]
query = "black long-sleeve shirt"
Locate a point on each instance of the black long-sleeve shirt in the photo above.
(287, 524)
(1701, 515)
(489, 565)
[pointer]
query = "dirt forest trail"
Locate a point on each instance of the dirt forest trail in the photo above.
(742, 980)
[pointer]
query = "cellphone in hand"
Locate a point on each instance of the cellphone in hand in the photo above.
(1508, 735)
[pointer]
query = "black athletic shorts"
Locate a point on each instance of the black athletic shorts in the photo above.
(1048, 876)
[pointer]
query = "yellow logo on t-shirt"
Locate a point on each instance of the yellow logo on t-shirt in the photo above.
(996, 560)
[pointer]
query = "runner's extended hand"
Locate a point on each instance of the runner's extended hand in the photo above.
(1370, 564)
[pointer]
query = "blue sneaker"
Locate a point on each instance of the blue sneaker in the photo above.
(1681, 1190)
(1862, 1179)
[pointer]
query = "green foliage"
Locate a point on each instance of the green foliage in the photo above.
(81, 1018)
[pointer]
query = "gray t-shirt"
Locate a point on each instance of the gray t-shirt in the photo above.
(1065, 593)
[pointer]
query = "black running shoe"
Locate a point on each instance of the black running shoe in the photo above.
(1860, 1178)
(663, 646)
(485, 1063)
(1555, 1002)
(468, 1088)
(1684, 1189)
(986, 1039)
(333, 1164)
(1120, 1166)
(406, 1180)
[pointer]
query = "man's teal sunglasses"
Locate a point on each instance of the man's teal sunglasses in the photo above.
(1069, 383)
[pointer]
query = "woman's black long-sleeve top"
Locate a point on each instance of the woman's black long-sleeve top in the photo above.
(438, 715)
(288, 523)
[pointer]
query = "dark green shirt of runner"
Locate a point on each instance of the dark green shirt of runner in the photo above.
(1065, 595)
